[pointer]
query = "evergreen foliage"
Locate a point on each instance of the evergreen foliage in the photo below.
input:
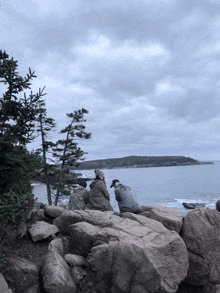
(67, 151)
(17, 117)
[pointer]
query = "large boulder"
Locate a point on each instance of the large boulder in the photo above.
(130, 255)
(170, 218)
(42, 230)
(53, 211)
(66, 219)
(201, 234)
(75, 260)
(22, 274)
(126, 266)
(56, 274)
(84, 237)
(57, 245)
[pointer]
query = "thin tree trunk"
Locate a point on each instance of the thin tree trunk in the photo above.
(45, 166)
(59, 185)
(62, 168)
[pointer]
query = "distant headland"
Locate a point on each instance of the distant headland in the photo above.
(140, 162)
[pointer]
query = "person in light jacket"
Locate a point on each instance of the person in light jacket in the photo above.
(99, 198)
(125, 196)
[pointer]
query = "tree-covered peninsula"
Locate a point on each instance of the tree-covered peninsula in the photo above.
(139, 162)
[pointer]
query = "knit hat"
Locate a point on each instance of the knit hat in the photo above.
(113, 182)
(98, 173)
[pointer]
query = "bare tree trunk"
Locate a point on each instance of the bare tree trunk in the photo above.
(45, 166)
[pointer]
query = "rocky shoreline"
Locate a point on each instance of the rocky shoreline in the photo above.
(156, 250)
(39, 176)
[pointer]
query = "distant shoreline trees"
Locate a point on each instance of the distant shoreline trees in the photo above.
(138, 162)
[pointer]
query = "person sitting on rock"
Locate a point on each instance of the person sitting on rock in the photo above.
(125, 196)
(99, 198)
(96, 171)
(79, 196)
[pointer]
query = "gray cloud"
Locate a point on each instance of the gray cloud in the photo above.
(147, 71)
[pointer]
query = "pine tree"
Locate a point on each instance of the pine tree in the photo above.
(17, 120)
(67, 151)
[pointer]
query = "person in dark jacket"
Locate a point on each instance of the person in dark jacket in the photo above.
(125, 196)
(99, 198)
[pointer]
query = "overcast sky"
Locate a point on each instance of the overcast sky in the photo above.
(148, 71)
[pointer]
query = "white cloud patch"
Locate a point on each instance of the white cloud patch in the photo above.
(102, 47)
(165, 87)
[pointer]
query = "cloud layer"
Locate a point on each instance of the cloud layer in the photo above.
(147, 71)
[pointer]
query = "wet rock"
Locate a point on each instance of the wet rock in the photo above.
(217, 205)
(193, 205)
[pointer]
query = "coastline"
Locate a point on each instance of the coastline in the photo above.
(153, 166)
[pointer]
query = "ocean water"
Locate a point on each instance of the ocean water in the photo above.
(168, 186)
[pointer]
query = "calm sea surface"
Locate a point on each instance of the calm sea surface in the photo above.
(168, 186)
